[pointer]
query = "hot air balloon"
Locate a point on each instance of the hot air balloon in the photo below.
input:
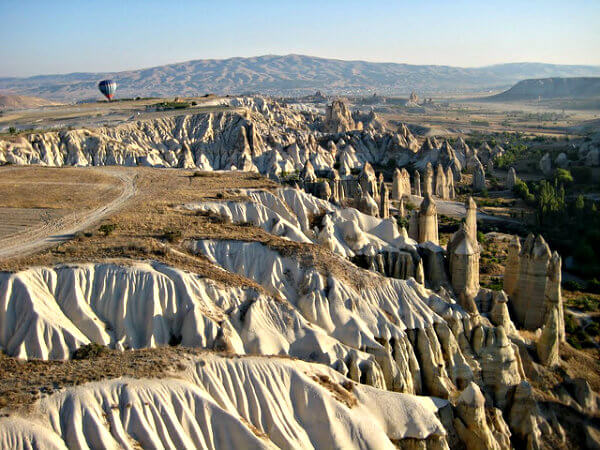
(108, 88)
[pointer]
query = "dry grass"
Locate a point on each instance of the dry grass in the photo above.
(23, 382)
(153, 224)
(341, 392)
(65, 188)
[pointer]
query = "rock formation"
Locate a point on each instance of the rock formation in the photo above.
(401, 184)
(471, 423)
(384, 201)
(546, 165)
(478, 178)
(549, 341)
(368, 180)
(511, 179)
(450, 183)
(428, 183)
(368, 205)
(308, 173)
(338, 118)
(512, 266)
(428, 222)
(463, 262)
(441, 185)
(417, 183)
(471, 218)
(536, 289)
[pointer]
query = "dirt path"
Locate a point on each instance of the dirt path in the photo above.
(457, 209)
(63, 228)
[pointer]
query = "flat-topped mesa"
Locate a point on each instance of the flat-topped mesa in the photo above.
(368, 181)
(428, 222)
(471, 218)
(428, 180)
(384, 201)
(463, 262)
(338, 118)
(511, 179)
(478, 177)
(535, 289)
(417, 183)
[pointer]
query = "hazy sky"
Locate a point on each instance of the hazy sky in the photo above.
(56, 36)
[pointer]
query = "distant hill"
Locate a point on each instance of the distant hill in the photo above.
(290, 75)
(9, 101)
(551, 88)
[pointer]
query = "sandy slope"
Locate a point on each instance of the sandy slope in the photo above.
(216, 402)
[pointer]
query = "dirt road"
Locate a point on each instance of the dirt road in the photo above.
(457, 209)
(62, 229)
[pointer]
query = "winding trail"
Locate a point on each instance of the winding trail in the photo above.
(61, 230)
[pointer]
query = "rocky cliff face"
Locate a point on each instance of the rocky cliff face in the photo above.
(256, 135)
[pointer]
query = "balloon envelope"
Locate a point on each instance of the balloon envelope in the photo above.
(108, 88)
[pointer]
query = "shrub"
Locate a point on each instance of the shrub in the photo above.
(89, 351)
(172, 235)
(563, 176)
(12, 130)
(107, 228)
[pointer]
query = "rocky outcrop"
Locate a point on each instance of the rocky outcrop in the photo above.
(536, 288)
(478, 178)
(463, 262)
(545, 165)
(368, 205)
(384, 201)
(471, 423)
(524, 417)
(368, 180)
(471, 218)
(441, 185)
(501, 366)
(338, 118)
(512, 266)
(417, 184)
(428, 223)
(549, 341)
(428, 182)
(308, 173)
(400, 184)
(511, 179)
(450, 183)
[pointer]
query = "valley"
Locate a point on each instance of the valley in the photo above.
(239, 271)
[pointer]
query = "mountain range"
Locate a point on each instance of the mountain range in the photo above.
(290, 75)
(551, 88)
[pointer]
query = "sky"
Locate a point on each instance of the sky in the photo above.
(64, 36)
